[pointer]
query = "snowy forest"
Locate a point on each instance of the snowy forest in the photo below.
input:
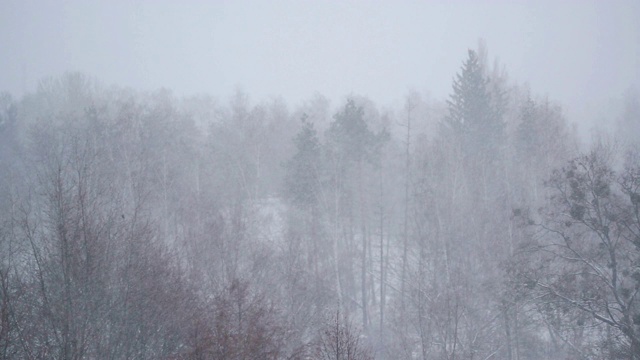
(145, 225)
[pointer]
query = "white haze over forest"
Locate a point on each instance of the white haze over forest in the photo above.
(584, 54)
(320, 180)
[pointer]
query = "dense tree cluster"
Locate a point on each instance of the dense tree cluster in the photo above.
(145, 226)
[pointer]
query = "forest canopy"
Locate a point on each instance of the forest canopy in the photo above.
(142, 225)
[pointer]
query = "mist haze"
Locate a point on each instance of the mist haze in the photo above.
(581, 53)
(320, 180)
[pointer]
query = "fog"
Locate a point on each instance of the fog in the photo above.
(582, 53)
(320, 180)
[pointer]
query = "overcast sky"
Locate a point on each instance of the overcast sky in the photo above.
(580, 53)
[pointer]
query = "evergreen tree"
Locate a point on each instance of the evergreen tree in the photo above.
(350, 134)
(302, 179)
(352, 149)
(8, 124)
(628, 125)
(472, 117)
(528, 139)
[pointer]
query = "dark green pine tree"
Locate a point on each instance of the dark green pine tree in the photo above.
(303, 169)
(473, 118)
(8, 125)
(303, 188)
(351, 146)
(350, 136)
(528, 134)
(353, 149)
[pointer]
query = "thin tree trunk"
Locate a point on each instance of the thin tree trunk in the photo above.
(405, 226)
(382, 259)
(365, 315)
(336, 234)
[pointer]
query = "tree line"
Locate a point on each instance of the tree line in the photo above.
(146, 226)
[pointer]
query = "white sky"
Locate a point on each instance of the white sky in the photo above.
(580, 53)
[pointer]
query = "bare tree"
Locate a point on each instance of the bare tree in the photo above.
(339, 341)
(586, 247)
